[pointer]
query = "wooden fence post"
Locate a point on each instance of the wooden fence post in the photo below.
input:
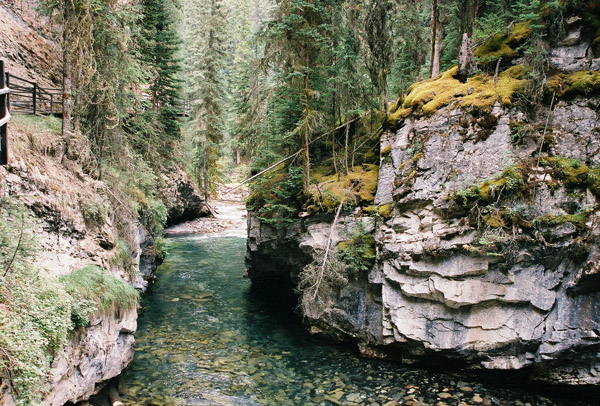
(35, 98)
(4, 117)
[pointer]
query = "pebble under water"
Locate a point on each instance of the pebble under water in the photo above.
(206, 339)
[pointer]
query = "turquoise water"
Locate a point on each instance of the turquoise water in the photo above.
(206, 339)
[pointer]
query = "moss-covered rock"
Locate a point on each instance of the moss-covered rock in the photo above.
(503, 46)
(509, 183)
(480, 91)
(574, 84)
(385, 210)
(357, 188)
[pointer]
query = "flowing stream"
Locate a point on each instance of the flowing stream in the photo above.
(206, 338)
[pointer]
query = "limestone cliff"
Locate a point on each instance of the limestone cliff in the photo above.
(488, 258)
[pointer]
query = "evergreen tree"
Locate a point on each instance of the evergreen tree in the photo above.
(208, 63)
(297, 38)
(159, 49)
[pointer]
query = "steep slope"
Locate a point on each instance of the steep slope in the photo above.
(59, 226)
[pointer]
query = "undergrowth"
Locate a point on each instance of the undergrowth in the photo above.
(99, 291)
(500, 208)
(38, 313)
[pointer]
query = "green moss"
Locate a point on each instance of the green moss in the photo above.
(386, 150)
(576, 83)
(572, 172)
(395, 105)
(385, 210)
(328, 194)
(503, 45)
(494, 48)
(578, 219)
(593, 180)
(509, 183)
(495, 220)
(429, 96)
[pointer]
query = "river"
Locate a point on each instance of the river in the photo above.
(206, 338)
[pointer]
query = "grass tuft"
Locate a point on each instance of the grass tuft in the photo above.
(107, 293)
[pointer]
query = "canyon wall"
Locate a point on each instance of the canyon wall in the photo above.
(488, 258)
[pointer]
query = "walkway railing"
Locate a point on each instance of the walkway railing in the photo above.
(4, 116)
(29, 98)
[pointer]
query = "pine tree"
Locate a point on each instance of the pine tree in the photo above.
(159, 49)
(208, 62)
(298, 36)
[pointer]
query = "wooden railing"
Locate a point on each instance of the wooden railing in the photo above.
(4, 116)
(27, 97)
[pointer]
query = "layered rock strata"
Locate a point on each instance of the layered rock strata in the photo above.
(471, 269)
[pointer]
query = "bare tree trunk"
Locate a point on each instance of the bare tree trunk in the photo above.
(434, 31)
(205, 180)
(67, 79)
(305, 160)
(466, 61)
(435, 66)
(347, 131)
(238, 156)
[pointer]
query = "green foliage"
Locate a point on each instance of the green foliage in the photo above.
(503, 45)
(154, 217)
(123, 258)
(107, 293)
(276, 198)
(509, 183)
(358, 253)
(34, 310)
(159, 48)
(94, 210)
(206, 58)
(38, 125)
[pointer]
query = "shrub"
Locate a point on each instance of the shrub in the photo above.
(34, 309)
(358, 253)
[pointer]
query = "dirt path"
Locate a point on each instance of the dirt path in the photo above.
(229, 221)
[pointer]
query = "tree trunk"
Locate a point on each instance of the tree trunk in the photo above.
(305, 159)
(466, 61)
(238, 156)
(435, 66)
(475, 12)
(305, 134)
(67, 79)
(205, 180)
(434, 32)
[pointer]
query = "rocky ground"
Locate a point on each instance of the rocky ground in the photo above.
(228, 216)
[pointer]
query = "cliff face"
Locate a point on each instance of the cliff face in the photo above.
(27, 43)
(77, 220)
(489, 257)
